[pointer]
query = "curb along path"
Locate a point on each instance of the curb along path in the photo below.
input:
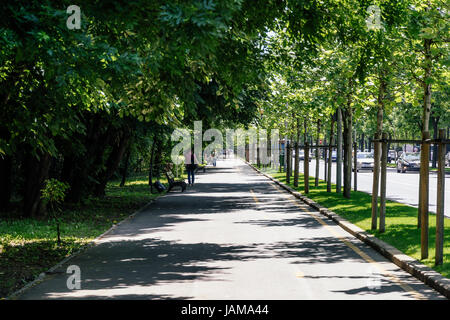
(44, 275)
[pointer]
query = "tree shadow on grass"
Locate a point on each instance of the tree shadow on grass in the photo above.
(407, 238)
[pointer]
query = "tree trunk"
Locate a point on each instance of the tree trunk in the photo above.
(440, 203)
(339, 152)
(77, 166)
(325, 162)
(305, 127)
(306, 157)
(384, 152)
(389, 143)
(158, 158)
(150, 171)
(5, 182)
(58, 232)
(348, 137)
(113, 162)
(424, 195)
(306, 168)
(289, 162)
(297, 157)
(355, 172)
(291, 170)
(316, 180)
(330, 158)
(125, 169)
(36, 172)
(423, 178)
(377, 157)
(435, 145)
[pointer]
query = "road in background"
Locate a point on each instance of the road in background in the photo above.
(401, 187)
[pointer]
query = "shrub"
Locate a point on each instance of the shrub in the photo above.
(53, 195)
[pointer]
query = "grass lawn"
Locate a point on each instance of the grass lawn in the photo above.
(28, 246)
(401, 220)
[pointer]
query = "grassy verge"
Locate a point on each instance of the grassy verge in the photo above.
(28, 246)
(401, 220)
(447, 170)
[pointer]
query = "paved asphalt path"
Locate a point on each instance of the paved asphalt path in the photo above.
(233, 235)
(400, 187)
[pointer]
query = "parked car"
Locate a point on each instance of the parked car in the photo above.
(334, 156)
(392, 155)
(364, 161)
(301, 154)
(408, 161)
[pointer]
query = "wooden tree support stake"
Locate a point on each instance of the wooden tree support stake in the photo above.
(339, 152)
(375, 182)
(355, 165)
(306, 168)
(296, 165)
(383, 183)
(440, 201)
(289, 163)
(423, 198)
(330, 153)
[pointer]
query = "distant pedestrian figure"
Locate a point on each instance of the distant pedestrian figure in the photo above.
(191, 163)
(214, 160)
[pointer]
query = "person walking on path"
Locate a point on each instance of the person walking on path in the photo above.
(214, 160)
(191, 163)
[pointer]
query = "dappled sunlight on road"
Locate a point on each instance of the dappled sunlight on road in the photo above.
(230, 236)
